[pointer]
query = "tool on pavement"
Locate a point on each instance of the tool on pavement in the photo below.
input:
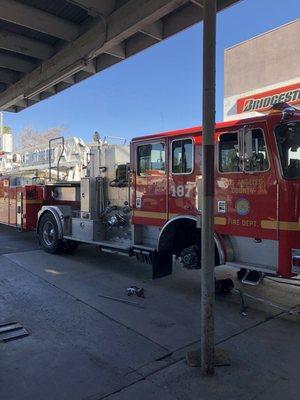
(139, 291)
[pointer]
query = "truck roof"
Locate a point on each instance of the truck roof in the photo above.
(198, 129)
(274, 111)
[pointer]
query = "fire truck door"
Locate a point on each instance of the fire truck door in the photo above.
(150, 187)
(246, 195)
(183, 170)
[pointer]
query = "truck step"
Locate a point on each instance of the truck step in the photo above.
(250, 277)
(253, 267)
(143, 255)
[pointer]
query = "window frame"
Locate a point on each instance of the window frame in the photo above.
(137, 158)
(278, 152)
(243, 171)
(193, 156)
(219, 148)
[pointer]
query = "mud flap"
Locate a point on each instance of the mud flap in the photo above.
(162, 263)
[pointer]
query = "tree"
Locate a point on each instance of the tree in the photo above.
(29, 137)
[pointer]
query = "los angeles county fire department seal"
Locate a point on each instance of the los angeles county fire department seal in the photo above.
(242, 207)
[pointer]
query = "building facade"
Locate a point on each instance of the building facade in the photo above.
(262, 71)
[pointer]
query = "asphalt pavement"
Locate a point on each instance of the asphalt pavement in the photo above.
(89, 341)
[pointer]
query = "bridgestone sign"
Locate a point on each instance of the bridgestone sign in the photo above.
(263, 101)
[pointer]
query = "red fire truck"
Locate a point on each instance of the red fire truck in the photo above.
(154, 211)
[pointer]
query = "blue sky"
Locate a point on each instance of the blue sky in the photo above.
(158, 89)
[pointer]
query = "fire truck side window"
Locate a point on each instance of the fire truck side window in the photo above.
(229, 160)
(288, 141)
(182, 156)
(151, 159)
(255, 157)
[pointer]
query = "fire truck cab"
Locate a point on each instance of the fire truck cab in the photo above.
(257, 193)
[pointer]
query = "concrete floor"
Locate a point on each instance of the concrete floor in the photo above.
(84, 346)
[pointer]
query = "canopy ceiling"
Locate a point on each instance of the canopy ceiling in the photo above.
(48, 46)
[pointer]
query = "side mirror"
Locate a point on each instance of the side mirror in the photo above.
(199, 191)
(241, 148)
(245, 147)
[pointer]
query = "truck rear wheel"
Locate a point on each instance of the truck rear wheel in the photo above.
(48, 234)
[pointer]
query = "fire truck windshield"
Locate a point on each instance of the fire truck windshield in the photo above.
(288, 141)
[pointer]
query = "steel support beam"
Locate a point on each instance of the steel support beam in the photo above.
(50, 90)
(15, 63)
(118, 51)
(38, 20)
(197, 2)
(24, 45)
(154, 30)
(208, 167)
(9, 77)
(95, 7)
(90, 68)
(68, 79)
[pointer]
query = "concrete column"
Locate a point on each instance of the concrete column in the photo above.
(208, 167)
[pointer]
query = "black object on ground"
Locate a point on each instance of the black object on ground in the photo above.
(12, 331)
(139, 291)
(223, 285)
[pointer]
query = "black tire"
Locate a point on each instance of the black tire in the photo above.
(48, 234)
(190, 257)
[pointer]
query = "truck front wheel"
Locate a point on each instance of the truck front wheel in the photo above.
(190, 257)
(48, 234)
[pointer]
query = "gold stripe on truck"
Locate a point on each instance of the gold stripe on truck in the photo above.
(149, 214)
(220, 221)
(281, 225)
(160, 215)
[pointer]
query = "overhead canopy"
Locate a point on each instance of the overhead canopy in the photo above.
(48, 46)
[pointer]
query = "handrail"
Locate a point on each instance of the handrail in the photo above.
(60, 156)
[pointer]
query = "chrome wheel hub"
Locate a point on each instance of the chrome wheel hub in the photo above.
(49, 233)
(190, 258)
